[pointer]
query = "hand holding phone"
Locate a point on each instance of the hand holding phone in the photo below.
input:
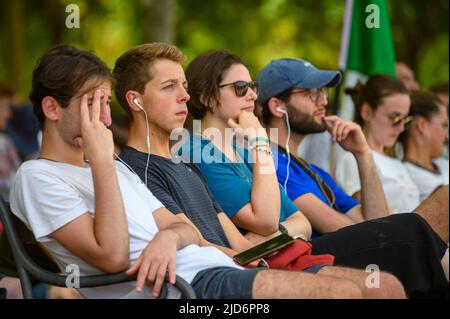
(264, 249)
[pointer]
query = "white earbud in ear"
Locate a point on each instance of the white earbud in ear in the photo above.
(136, 102)
(281, 110)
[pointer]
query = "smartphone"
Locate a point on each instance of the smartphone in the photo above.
(263, 249)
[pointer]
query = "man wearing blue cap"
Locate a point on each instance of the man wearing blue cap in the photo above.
(293, 94)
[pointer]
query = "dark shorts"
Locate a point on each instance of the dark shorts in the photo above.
(401, 244)
(230, 283)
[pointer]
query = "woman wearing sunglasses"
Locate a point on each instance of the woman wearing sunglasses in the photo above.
(223, 97)
(382, 109)
(423, 143)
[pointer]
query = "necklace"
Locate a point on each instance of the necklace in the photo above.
(47, 159)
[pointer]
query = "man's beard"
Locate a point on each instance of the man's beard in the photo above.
(303, 123)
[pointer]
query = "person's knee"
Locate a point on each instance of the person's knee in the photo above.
(345, 289)
(391, 287)
(413, 222)
(410, 218)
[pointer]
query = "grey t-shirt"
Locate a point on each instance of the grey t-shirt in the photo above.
(181, 188)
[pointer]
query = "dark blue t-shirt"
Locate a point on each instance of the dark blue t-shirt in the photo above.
(181, 188)
(301, 183)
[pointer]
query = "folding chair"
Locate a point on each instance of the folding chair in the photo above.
(26, 267)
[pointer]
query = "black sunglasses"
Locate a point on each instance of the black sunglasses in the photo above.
(241, 87)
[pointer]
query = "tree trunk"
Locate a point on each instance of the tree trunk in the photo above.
(53, 16)
(14, 35)
(159, 20)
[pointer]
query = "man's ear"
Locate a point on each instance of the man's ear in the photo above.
(366, 112)
(421, 124)
(273, 104)
(130, 97)
(51, 108)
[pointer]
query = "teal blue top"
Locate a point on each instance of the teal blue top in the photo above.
(230, 183)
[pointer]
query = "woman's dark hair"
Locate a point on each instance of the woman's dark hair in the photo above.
(376, 88)
(204, 75)
(423, 104)
(61, 72)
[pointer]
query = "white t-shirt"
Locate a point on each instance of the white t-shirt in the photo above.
(315, 149)
(47, 195)
(401, 192)
(426, 180)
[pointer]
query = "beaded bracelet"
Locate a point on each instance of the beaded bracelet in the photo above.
(261, 144)
(259, 138)
(262, 148)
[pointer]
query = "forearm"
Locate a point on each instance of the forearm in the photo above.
(227, 251)
(298, 225)
(240, 244)
(265, 195)
(205, 243)
(110, 222)
(184, 234)
(373, 200)
(322, 218)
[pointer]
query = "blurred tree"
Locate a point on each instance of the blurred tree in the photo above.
(53, 15)
(258, 30)
(13, 19)
(420, 31)
(159, 20)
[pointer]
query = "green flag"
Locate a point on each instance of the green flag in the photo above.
(367, 45)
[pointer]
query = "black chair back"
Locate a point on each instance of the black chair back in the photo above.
(17, 233)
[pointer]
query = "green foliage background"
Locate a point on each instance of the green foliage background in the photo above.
(258, 30)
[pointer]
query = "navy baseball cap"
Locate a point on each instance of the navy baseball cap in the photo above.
(283, 74)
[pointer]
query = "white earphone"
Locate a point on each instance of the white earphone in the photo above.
(136, 102)
(281, 110)
(288, 151)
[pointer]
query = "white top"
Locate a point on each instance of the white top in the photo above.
(315, 149)
(426, 180)
(401, 192)
(47, 195)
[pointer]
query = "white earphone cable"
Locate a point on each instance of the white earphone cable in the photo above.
(135, 101)
(288, 151)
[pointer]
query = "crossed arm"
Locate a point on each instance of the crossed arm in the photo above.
(159, 257)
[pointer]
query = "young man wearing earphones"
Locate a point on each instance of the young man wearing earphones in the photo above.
(293, 94)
